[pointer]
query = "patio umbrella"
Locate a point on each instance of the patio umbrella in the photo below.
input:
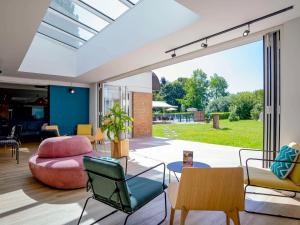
(171, 109)
(162, 104)
(192, 110)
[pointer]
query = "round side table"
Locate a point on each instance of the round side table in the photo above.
(176, 167)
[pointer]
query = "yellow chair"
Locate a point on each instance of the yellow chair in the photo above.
(212, 189)
(84, 129)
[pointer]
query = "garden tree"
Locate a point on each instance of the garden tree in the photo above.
(220, 104)
(172, 92)
(217, 86)
(244, 103)
(196, 89)
(163, 81)
(156, 96)
(182, 80)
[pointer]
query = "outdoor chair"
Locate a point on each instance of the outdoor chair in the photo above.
(211, 189)
(264, 178)
(127, 194)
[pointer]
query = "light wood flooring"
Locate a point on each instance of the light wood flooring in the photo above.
(25, 201)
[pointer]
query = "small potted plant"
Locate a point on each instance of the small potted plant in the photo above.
(116, 125)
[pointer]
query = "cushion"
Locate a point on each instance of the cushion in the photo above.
(143, 190)
(265, 178)
(295, 173)
(283, 169)
(64, 146)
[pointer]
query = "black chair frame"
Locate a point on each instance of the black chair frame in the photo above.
(260, 193)
(121, 206)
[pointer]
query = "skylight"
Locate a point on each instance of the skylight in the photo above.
(74, 22)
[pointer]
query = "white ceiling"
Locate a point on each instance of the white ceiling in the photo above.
(20, 23)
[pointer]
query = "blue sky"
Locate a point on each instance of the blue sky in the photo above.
(242, 67)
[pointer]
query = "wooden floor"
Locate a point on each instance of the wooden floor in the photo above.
(25, 201)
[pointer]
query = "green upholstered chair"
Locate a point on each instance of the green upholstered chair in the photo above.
(111, 186)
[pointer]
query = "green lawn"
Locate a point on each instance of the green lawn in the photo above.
(243, 133)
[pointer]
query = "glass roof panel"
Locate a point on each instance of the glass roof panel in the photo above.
(134, 1)
(60, 22)
(111, 8)
(59, 35)
(78, 13)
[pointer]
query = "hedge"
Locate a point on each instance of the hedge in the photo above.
(222, 115)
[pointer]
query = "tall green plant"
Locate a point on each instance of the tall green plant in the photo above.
(116, 122)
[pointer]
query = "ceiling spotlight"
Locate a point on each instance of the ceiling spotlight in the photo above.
(204, 45)
(71, 90)
(174, 54)
(247, 31)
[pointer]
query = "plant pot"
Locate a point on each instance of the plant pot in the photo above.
(120, 148)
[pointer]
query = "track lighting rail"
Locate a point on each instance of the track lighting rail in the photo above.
(229, 29)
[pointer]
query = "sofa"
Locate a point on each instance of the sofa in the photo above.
(58, 162)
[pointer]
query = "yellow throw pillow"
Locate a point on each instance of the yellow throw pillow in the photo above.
(295, 174)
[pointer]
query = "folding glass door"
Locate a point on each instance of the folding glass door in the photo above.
(272, 95)
(111, 94)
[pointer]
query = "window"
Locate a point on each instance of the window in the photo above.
(73, 23)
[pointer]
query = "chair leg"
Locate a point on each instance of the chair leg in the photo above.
(83, 209)
(234, 215)
(172, 214)
(166, 210)
(227, 219)
(126, 219)
(184, 213)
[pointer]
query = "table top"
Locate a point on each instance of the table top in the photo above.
(177, 166)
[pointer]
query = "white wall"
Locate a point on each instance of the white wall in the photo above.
(94, 105)
(290, 82)
(138, 83)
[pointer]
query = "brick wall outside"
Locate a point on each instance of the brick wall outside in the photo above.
(142, 114)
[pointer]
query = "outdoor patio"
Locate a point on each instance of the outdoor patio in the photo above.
(26, 201)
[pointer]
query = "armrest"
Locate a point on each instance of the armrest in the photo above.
(251, 150)
(147, 170)
(268, 160)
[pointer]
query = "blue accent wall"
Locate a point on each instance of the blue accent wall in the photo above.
(66, 109)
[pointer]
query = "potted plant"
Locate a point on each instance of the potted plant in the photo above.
(116, 125)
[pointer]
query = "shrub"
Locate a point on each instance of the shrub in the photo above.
(233, 115)
(219, 105)
(222, 115)
(255, 112)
